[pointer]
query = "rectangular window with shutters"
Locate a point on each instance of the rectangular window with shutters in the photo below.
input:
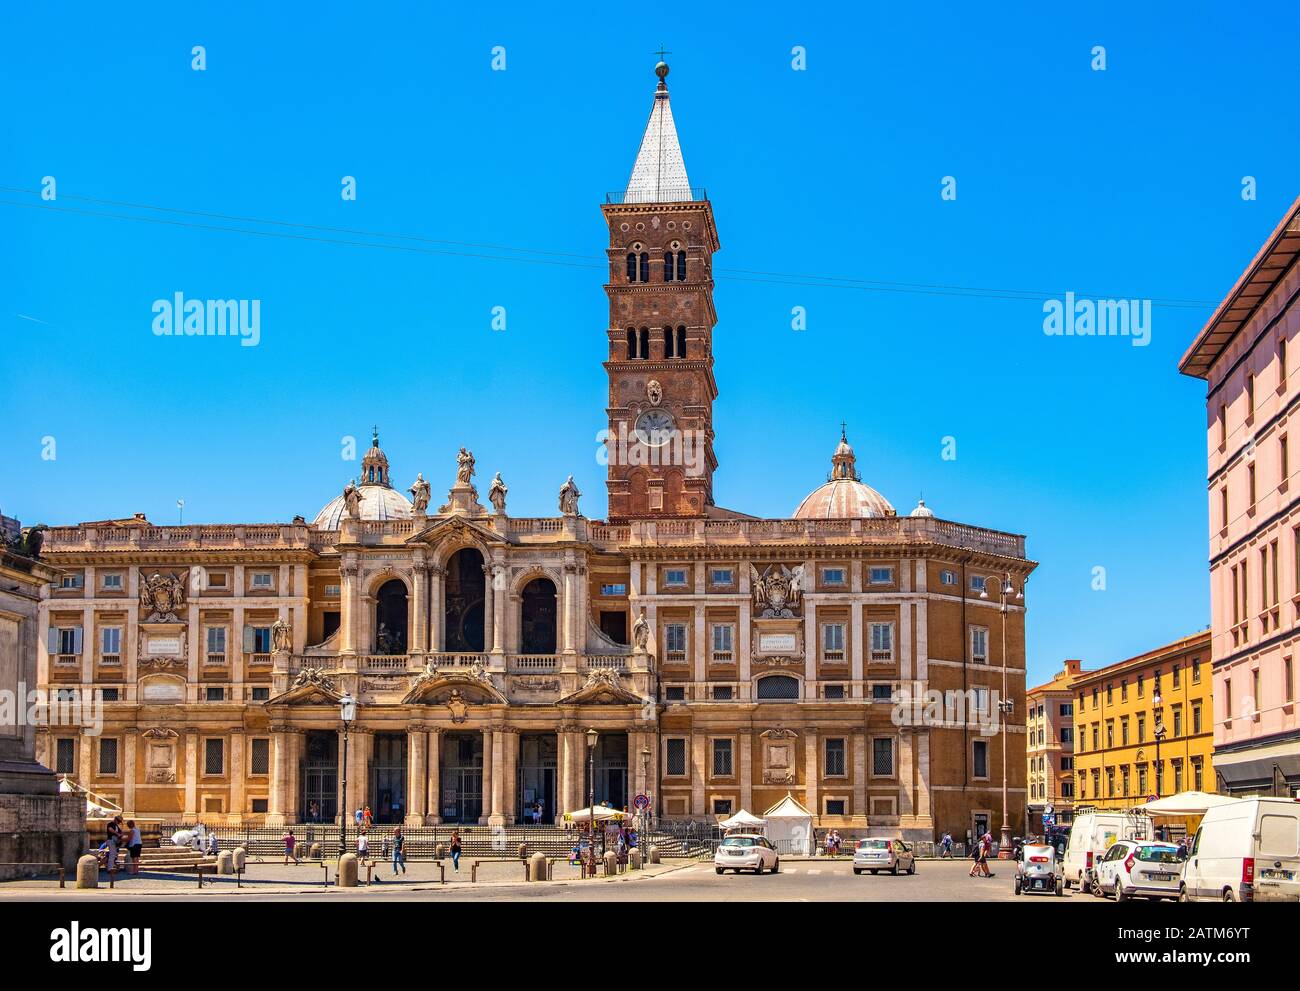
(262, 580)
(674, 643)
(675, 577)
(108, 756)
(214, 756)
(65, 756)
(836, 766)
(833, 642)
(216, 637)
(722, 641)
(980, 759)
(110, 645)
(882, 642)
(979, 645)
(722, 576)
(722, 759)
(832, 576)
(257, 640)
(882, 756)
(259, 761)
(675, 757)
(881, 576)
(66, 640)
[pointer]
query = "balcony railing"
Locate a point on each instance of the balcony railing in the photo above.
(675, 657)
(383, 662)
(215, 661)
(533, 662)
(67, 660)
(457, 660)
(259, 660)
(671, 194)
(110, 660)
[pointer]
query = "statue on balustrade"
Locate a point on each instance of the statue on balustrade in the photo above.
(569, 498)
(465, 467)
(640, 631)
(352, 500)
(497, 495)
(419, 494)
(282, 635)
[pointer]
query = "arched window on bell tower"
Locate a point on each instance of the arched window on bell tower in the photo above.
(668, 266)
(645, 266)
(681, 266)
(631, 266)
(681, 342)
(645, 342)
(631, 343)
(668, 342)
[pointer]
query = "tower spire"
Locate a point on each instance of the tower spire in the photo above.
(659, 175)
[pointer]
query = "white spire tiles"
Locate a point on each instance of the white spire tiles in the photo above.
(659, 175)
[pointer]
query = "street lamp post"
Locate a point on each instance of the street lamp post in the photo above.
(1005, 705)
(645, 783)
(348, 713)
(1157, 701)
(592, 738)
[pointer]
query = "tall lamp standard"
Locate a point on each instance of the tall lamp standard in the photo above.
(1157, 701)
(645, 780)
(348, 713)
(592, 738)
(1005, 705)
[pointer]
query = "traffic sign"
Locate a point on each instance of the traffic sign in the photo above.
(642, 802)
(1151, 798)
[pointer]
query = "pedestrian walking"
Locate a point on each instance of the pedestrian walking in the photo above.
(987, 841)
(363, 846)
(213, 847)
(977, 851)
(399, 850)
(945, 846)
(134, 844)
(366, 817)
(290, 848)
(114, 831)
(455, 848)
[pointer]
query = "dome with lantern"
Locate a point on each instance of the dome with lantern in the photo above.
(843, 496)
(379, 500)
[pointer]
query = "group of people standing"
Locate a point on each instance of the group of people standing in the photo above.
(122, 836)
(980, 856)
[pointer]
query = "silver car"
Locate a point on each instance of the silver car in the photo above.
(746, 852)
(878, 854)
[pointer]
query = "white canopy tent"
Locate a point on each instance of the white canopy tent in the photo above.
(1185, 803)
(743, 820)
(601, 813)
(790, 827)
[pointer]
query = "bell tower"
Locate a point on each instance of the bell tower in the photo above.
(661, 317)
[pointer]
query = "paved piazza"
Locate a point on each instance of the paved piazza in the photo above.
(805, 880)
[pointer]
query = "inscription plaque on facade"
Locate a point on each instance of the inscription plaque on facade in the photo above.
(778, 643)
(164, 646)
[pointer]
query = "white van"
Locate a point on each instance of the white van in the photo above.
(1092, 834)
(1246, 851)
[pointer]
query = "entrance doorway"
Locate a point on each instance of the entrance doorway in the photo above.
(388, 778)
(611, 770)
(461, 776)
(320, 777)
(390, 618)
(538, 759)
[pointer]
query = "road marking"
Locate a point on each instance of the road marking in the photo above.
(814, 870)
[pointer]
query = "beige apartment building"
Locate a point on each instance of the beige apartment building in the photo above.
(1049, 748)
(1247, 356)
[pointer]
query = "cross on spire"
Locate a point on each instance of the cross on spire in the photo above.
(662, 52)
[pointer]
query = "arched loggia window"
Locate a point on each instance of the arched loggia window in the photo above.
(631, 343)
(681, 266)
(668, 342)
(645, 342)
(645, 266)
(668, 266)
(681, 342)
(631, 266)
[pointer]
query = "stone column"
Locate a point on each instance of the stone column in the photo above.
(699, 768)
(567, 788)
(130, 637)
(905, 772)
(905, 640)
(236, 660)
(744, 637)
(860, 774)
(363, 748)
(923, 773)
(700, 649)
(509, 745)
(419, 606)
(489, 610)
(348, 607)
(498, 738)
(237, 770)
(88, 643)
(810, 765)
(857, 649)
(295, 742)
(745, 743)
(437, 575)
(128, 773)
(434, 804)
(812, 649)
(566, 611)
(489, 769)
(497, 594)
(280, 757)
(191, 773)
(417, 789)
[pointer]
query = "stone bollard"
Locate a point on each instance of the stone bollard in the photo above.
(654, 854)
(225, 862)
(88, 871)
(537, 867)
(523, 851)
(347, 875)
(240, 857)
(634, 859)
(314, 852)
(611, 863)
(439, 852)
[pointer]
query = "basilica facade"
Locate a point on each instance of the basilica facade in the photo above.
(507, 668)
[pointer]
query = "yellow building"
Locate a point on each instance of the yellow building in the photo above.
(1144, 726)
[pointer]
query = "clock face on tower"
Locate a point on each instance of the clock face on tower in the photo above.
(655, 427)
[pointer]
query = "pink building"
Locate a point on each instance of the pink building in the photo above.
(1248, 355)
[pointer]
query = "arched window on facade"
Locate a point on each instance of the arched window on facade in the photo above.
(631, 267)
(645, 342)
(668, 266)
(681, 266)
(681, 342)
(631, 343)
(778, 686)
(668, 342)
(645, 266)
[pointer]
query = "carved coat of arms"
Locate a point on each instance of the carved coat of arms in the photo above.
(777, 590)
(161, 597)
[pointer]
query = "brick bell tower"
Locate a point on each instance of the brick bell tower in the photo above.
(661, 317)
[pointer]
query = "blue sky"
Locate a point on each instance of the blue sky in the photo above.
(1125, 182)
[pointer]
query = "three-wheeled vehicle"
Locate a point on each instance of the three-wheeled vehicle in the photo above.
(1036, 870)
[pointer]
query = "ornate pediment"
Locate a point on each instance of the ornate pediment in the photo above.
(602, 687)
(456, 528)
(311, 686)
(458, 687)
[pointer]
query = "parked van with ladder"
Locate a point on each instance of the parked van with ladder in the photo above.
(1091, 835)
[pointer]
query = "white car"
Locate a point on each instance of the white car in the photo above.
(878, 854)
(746, 852)
(1139, 868)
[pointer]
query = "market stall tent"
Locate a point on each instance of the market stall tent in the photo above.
(790, 827)
(743, 820)
(1185, 803)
